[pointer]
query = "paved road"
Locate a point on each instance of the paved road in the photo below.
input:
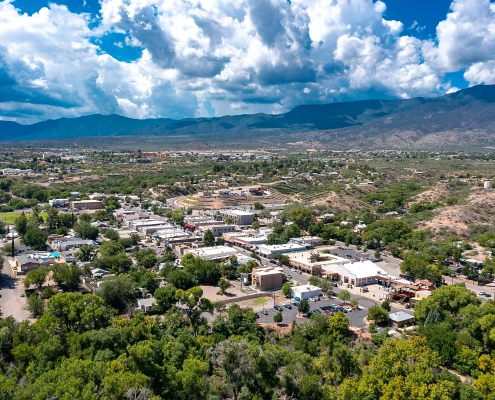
(10, 288)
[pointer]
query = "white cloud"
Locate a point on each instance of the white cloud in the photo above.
(243, 56)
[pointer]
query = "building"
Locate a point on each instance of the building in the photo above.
(400, 318)
(313, 262)
(305, 292)
(58, 202)
(71, 243)
(270, 251)
(145, 305)
(218, 230)
(242, 218)
(87, 205)
(213, 253)
(267, 278)
(356, 273)
(27, 262)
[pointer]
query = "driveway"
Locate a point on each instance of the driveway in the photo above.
(11, 287)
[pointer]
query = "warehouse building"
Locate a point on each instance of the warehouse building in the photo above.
(87, 205)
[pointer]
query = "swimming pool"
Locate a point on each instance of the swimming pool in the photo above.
(55, 254)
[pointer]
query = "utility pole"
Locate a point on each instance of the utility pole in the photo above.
(12, 250)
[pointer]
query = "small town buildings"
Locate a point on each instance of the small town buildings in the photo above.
(218, 230)
(314, 262)
(87, 205)
(305, 292)
(71, 243)
(58, 202)
(356, 273)
(241, 217)
(267, 278)
(400, 318)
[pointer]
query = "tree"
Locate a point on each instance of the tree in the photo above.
(68, 276)
(258, 206)
(112, 235)
(223, 284)
(344, 295)
(35, 238)
(287, 289)
(20, 224)
(386, 305)
(35, 305)
(146, 258)
(378, 254)
(112, 203)
(51, 218)
(255, 225)
(209, 239)
(278, 317)
(377, 314)
(111, 248)
(193, 379)
(165, 297)
(229, 220)
(196, 305)
(36, 277)
(303, 307)
(85, 253)
(86, 231)
(117, 292)
(339, 324)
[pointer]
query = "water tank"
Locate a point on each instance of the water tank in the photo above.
(488, 184)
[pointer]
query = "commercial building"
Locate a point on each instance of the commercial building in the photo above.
(242, 218)
(218, 230)
(305, 292)
(71, 243)
(314, 262)
(267, 278)
(87, 205)
(270, 251)
(356, 273)
(213, 253)
(58, 202)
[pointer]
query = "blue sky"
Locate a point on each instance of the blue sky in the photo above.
(195, 58)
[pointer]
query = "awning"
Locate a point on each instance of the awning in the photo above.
(297, 299)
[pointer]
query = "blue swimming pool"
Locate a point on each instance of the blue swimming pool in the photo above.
(55, 254)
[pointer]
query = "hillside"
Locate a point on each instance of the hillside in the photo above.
(465, 118)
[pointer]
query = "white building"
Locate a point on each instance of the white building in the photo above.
(213, 253)
(356, 273)
(58, 202)
(270, 251)
(242, 218)
(305, 292)
(218, 230)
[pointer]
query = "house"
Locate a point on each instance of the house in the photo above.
(305, 292)
(71, 243)
(98, 272)
(24, 264)
(400, 318)
(145, 305)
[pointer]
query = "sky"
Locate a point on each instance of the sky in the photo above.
(205, 58)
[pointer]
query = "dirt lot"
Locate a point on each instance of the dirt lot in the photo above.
(10, 288)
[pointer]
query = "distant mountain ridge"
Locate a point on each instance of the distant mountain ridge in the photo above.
(365, 122)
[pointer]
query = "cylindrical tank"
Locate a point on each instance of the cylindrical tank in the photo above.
(488, 184)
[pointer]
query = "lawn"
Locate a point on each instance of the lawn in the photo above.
(10, 217)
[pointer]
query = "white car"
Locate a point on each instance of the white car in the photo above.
(482, 293)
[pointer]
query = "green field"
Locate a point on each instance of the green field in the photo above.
(10, 217)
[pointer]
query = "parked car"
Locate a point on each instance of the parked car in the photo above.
(488, 295)
(296, 304)
(482, 293)
(272, 262)
(288, 306)
(278, 308)
(365, 290)
(22, 295)
(264, 312)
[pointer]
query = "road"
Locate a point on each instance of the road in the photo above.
(10, 288)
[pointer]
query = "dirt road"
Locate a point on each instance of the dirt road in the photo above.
(10, 289)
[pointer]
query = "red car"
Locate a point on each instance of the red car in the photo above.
(342, 304)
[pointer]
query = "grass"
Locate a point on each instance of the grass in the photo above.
(260, 300)
(9, 218)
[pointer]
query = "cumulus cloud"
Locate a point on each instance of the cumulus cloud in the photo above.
(215, 57)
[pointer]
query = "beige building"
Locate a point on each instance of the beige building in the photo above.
(267, 278)
(87, 205)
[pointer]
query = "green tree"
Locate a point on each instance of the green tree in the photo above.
(193, 379)
(255, 225)
(52, 218)
(378, 254)
(377, 314)
(287, 289)
(35, 305)
(303, 307)
(111, 234)
(85, 253)
(117, 292)
(68, 276)
(223, 284)
(209, 239)
(20, 224)
(86, 231)
(386, 305)
(111, 248)
(165, 297)
(278, 317)
(196, 305)
(36, 277)
(344, 295)
(35, 238)
(338, 324)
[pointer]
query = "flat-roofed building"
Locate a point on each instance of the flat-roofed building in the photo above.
(213, 253)
(314, 261)
(218, 230)
(305, 292)
(357, 273)
(270, 251)
(267, 278)
(241, 217)
(87, 205)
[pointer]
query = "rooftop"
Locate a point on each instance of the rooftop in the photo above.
(400, 316)
(364, 269)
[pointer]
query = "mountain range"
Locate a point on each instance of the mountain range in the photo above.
(462, 119)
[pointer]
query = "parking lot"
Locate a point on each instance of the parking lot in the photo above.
(356, 317)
